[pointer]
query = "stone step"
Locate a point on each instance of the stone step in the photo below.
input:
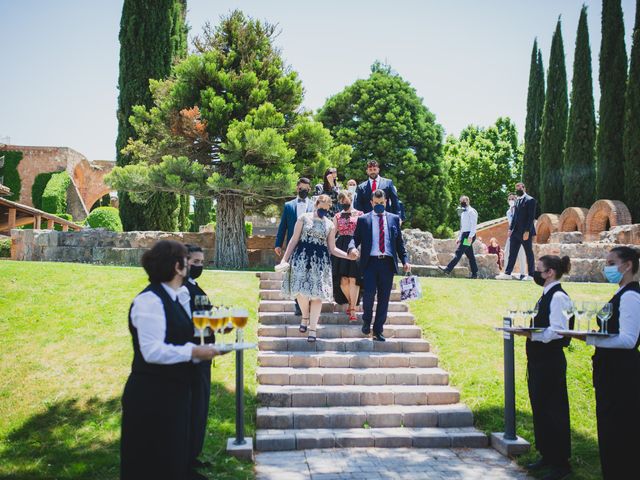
(338, 331)
(347, 359)
(351, 376)
(274, 276)
(289, 318)
(277, 284)
(275, 294)
(328, 307)
(291, 344)
(355, 395)
(277, 440)
(386, 416)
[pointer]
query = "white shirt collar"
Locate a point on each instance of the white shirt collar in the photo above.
(191, 281)
(174, 293)
(550, 286)
(377, 179)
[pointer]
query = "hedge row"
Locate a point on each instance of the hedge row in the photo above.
(39, 184)
(54, 197)
(105, 217)
(5, 247)
(10, 173)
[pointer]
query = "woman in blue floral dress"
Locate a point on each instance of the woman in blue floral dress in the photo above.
(309, 277)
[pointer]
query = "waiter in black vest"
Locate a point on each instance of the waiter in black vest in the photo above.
(547, 370)
(156, 403)
(616, 370)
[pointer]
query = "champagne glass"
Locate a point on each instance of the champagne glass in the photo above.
(568, 310)
(524, 314)
(200, 320)
(580, 312)
(604, 314)
(512, 309)
(591, 309)
(239, 318)
(534, 313)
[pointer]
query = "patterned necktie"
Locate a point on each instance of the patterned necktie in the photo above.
(381, 230)
(374, 186)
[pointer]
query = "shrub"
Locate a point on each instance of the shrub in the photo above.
(248, 229)
(10, 173)
(54, 197)
(37, 189)
(5, 247)
(105, 217)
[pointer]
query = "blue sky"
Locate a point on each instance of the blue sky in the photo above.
(468, 59)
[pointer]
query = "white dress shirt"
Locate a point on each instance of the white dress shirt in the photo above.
(510, 212)
(375, 243)
(377, 179)
(301, 207)
(468, 222)
(148, 317)
(629, 324)
(557, 319)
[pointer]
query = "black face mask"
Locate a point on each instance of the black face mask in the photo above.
(463, 204)
(519, 193)
(537, 277)
(303, 193)
(195, 271)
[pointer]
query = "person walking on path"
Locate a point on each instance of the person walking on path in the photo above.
(292, 211)
(379, 238)
(331, 188)
(308, 277)
(468, 225)
(521, 233)
(522, 259)
(347, 277)
(364, 192)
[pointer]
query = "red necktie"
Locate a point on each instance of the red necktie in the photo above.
(381, 236)
(374, 186)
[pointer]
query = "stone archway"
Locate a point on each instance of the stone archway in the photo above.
(605, 214)
(546, 225)
(573, 219)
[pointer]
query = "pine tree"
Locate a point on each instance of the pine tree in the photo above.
(613, 78)
(152, 36)
(533, 126)
(554, 128)
(632, 125)
(579, 161)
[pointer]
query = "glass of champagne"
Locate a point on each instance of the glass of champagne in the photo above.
(604, 314)
(215, 321)
(200, 320)
(239, 318)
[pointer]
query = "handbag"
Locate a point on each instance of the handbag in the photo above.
(410, 288)
(282, 267)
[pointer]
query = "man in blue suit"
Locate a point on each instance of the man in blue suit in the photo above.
(376, 182)
(293, 209)
(380, 238)
(521, 232)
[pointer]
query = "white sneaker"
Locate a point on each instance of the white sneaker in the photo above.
(503, 276)
(527, 278)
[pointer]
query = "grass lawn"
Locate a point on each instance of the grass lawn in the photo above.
(65, 353)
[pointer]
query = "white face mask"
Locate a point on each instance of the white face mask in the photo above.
(511, 203)
(352, 189)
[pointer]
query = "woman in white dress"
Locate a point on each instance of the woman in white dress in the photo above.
(309, 277)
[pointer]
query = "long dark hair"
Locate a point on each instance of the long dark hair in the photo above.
(326, 186)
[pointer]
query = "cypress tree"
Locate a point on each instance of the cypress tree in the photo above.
(579, 161)
(613, 79)
(554, 128)
(152, 36)
(533, 126)
(632, 125)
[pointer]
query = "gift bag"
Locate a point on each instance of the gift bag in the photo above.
(410, 288)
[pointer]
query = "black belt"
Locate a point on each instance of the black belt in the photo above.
(380, 257)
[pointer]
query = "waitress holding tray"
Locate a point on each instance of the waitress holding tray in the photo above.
(616, 370)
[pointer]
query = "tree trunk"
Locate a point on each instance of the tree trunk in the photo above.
(231, 247)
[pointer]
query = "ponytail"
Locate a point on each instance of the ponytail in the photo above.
(560, 265)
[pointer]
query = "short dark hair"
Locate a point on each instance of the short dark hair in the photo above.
(160, 261)
(554, 262)
(193, 248)
(628, 254)
(378, 194)
(372, 163)
(303, 180)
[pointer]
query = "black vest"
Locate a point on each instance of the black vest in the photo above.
(179, 332)
(541, 320)
(194, 289)
(613, 325)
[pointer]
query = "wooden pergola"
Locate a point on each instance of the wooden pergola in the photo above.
(13, 215)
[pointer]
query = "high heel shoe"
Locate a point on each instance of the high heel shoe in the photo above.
(312, 337)
(352, 315)
(303, 325)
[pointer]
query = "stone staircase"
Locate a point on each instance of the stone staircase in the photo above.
(346, 390)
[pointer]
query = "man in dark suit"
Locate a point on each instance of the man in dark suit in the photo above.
(380, 238)
(521, 232)
(293, 209)
(376, 182)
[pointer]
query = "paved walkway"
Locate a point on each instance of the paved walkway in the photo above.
(380, 463)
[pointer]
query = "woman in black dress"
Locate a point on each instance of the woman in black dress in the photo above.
(157, 396)
(330, 187)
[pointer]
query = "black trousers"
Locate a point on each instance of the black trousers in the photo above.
(378, 281)
(201, 392)
(517, 241)
(547, 382)
(465, 250)
(616, 378)
(155, 428)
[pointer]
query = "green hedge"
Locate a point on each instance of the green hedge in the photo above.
(105, 217)
(10, 173)
(5, 247)
(37, 189)
(54, 197)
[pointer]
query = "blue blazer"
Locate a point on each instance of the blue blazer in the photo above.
(364, 236)
(363, 196)
(524, 216)
(289, 219)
